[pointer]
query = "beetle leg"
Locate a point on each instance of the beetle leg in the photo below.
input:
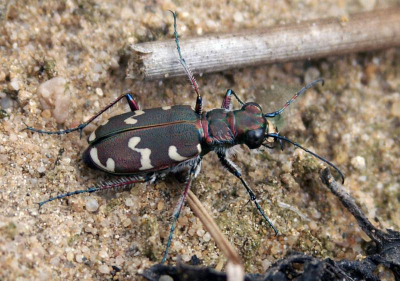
(199, 105)
(230, 166)
(100, 187)
(179, 207)
(80, 127)
(132, 104)
(226, 103)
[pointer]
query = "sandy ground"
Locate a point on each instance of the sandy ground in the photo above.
(354, 121)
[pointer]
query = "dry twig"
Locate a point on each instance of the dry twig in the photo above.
(235, 270)
(311, 39)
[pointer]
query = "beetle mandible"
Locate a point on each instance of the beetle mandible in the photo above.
(188, 135)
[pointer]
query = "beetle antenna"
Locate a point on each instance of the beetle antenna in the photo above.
(308, 86)
(276, 136)
(182, 60)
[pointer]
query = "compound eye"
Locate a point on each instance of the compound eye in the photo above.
(254, 138)
(252, 105)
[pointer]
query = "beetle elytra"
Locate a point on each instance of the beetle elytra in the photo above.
(152, 143)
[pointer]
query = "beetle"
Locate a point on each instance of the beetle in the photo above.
(146, 145)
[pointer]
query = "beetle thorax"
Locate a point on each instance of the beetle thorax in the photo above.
(218, 127)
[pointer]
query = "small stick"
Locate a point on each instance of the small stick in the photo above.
(311, 39)
(235, 270)
(377, 235)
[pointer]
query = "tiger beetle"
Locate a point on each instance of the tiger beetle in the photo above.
(146, 145)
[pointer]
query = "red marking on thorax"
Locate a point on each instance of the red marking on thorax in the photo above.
(204, 124)
(231, 121)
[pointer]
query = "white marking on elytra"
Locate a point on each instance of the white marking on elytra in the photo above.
(110, 164)
(105, 122)
(132, 120)
(174, 155)
(199, 148)
(92, 136)
(166, 107)
(144, 153)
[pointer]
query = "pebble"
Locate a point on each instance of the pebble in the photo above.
(275, 249)
(14, 84)
(358, 162)
(2, 76)
(55, 95)
(312, 73)
(99, 92)
(104, 56)
(4, 158)
(55, 261)
(191, 231)
(238, 16)
(129, 202)
(396, 109)
(126, 13)
(24, 97)
(70, 256)
(91, 229)
(103, 254)
(165, 278)
(287, 167)
(91, 204)
(126, 222)
(46, 114)
(85, 249)
(95, 77)
(114, 63)
(207, 237)
(266, 264)
(57, 18)
(367, 4)
(342, 157)
(79, 258)
(104, 269)
(200, 232)
(119, 260)
(177, 245)
(41, 169)
(315, 214)
(6, 103)
(13, 137)
(313, 225)
(97, 68)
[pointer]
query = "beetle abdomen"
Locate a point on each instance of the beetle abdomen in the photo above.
(146, 149)
(143, 119)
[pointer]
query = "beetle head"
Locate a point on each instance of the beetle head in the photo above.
(251, 125)
(257, 127)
